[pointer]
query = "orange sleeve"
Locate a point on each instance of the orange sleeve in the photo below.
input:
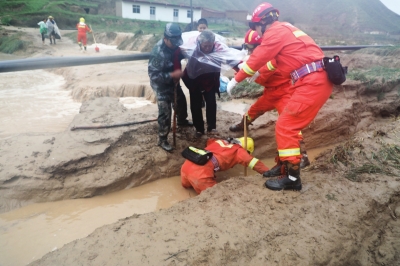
(271, 45)
(245, 159)
(260, 167)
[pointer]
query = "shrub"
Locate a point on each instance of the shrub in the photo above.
(10, 44)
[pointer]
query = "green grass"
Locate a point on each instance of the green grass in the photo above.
(11, 44)
(371, 75)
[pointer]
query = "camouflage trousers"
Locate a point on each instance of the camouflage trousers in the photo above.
(165, 104)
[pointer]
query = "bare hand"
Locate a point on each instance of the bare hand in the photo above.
(176, 75)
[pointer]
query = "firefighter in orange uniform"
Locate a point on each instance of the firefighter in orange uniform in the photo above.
(82, 29)
(298, 57)
(226, 154)
(277, 92)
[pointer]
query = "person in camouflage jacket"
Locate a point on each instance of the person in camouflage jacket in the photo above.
(165, 71)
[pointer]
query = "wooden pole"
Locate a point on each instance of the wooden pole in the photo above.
(174, 122)
(245, 139)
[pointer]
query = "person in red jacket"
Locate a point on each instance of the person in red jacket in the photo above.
(298, 57)
(82, 29)
(276, 94)
(226, 154)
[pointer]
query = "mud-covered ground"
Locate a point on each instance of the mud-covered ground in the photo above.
(346, 214)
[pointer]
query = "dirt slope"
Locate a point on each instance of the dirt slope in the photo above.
(346, 213)
(333, 221)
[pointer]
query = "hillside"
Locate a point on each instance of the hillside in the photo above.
(330, 17)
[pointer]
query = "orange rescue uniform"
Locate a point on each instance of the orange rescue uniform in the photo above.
(201, 177)
(277, 91)
(292, 49)
(82, 29)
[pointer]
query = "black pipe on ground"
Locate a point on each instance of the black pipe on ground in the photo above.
(55, 62)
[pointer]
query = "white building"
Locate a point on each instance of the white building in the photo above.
(146, 10)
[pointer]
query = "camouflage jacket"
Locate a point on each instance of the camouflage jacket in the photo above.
(161, 63)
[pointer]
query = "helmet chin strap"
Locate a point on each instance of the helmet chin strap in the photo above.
(263, 28)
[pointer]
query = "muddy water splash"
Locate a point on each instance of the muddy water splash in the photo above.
(33, 101)
(126, 90)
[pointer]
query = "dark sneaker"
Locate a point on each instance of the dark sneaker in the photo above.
(185, 123)
(304, 161)
(165, 145)
(274, 171)
(284, 182)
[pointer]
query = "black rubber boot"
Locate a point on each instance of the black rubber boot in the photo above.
(304, 161)
(163, 143)
(290, 179)
(276, 170)
(240, 127)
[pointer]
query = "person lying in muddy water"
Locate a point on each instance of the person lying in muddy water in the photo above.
(277, 92)
(165, 71)
(226, 153)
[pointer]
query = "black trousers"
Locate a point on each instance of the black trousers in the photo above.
(196, 98)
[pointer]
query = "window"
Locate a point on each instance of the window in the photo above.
(136, 9)
(189, 13)
(152, 10)
(176, 13)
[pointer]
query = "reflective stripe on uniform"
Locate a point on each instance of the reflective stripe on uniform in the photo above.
(222, 144)
(289, 152)
(201, 152)
(299, 33)
(253, 163)
(248, 70)
(248, 117)
(270, 66)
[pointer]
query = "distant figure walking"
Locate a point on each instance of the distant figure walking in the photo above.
(51, 29)
(43, 28)
(82, 29)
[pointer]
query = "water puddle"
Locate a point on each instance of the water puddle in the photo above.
(238, 106)
(32, 231)
(134, 102)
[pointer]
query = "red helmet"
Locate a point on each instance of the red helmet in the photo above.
(252, 37)
(262, 11)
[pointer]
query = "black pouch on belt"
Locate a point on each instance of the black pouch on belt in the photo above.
(196, 155)
(336, 72)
